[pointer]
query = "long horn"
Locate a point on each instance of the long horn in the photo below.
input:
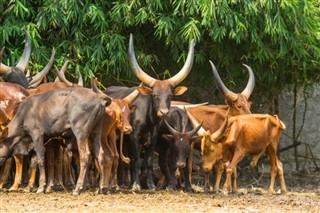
(36, 80)
(1, 54)
(62, 71)
(196, 124)
(23, 62)
(183, 73)
(221, 87)
(131, 97)
(80, 81)
(4, 70)
(194, 131)
(214, 137)
(251, 82)
(171, 130)
(94, 87)
(144, 77)
(62, 77)
(182, 106)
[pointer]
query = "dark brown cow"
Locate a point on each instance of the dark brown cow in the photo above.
(152, 105)
(238, 137)
(76, 111)
(118, 119)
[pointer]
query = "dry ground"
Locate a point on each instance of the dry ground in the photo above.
(303, 196)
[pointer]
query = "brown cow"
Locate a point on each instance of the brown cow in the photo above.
(240, 136)
(118, 119)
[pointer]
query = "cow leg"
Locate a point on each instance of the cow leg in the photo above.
(101, 157)
(163, 164)
(50, 163)
(187, 183)
(67, 169)
(207, 181)
(281, 176)
(219, 172)
(135, 163)
(84, 154)
(149, 157)
(33, 173)
(113, 177)
(237, 157)
(18, 176)
(234, 180)
(5, 172)
(37, 138)
(58, 181)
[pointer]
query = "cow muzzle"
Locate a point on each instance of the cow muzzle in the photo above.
(181, 165)
(127, 130)
(162, 113)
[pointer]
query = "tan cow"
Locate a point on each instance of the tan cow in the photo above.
(239, 136)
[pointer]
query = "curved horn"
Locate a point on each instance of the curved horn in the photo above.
(62, 77)
(36, 80)
(251, 82)
(144, 77)
(80, 81)
(62, 71)
(196, 124)
(183, 73)
(194, 131)
(94, 87)
(23, 62)
(131, 97)
(3, 68)
(1, 54)
(221, 87)
(171, 130)
(214, 137)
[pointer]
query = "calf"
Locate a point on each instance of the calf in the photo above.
(77, 111)
(243, 135)
(174, 150)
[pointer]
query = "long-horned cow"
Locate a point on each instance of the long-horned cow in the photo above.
(239, 136)
(152, 104)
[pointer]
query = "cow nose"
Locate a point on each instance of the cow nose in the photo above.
(162, 112)
(127, 129)
(181, 165)
(206, 168)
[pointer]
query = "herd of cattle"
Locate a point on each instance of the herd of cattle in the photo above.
(67, 131)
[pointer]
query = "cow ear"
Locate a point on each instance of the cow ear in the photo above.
(168, 137)
(144, 90)
(133, 108)
(180, 90)
(196, 138)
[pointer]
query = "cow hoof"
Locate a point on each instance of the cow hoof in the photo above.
(75, 192)
(188, 189)
(136, 187)
(225, 192)
(28, 189)
(49, 190)
(40, 190)
(13, 189)
(151, 187)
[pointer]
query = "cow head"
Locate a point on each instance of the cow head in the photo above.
(161, 91)
(211, 148)
(239, 103)
(16, 74)
(181, 142)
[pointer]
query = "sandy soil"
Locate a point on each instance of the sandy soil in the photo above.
(303, 196)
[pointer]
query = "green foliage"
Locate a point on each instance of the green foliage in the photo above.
(279, 39)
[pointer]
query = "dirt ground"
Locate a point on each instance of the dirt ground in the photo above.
(303, 196)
